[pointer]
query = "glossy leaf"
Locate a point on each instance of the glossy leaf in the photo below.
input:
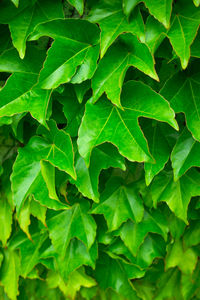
(112, 68)
(100, 119)
(118, 203)
(177, 194)
(82, 50)
(113, 22)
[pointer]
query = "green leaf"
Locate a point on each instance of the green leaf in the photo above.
(177, 194)
(133, 234)
(161, 10)
(118, 203)
(154, 34)
(10, 265)
(191, 235)
(76, 255)
(128, 6)
(16, 2)
(112, 68)
(21, 93)
(6, 220)
(26, 177)
(31, 250)
(196, 3)
(183, 93)
(78, 4)
(185, 154)
(115, 274)
(113, 22)
(183, 31)
(74, 222)
(31, 207)
(77, 279)
(103, 157)
(159, 147)
(185, 260)
(100, 119)
(26, 19)
(76, 46)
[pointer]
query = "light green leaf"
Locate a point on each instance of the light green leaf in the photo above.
(113, 22)
(76, 48)
(128, 6)
(24, 21)
(76, 255)
(111, 70)
(118, 203)
(177, 194)
(78, 4)
(31, 207)
(183, 31)
(16, 2)
(133, 234)
(21, 93)
(185, 260)
(192, 234)
(161, 10)
(103, 157)
(183, 94)
(9, 273)
(100, 120)
(185, 154)
(31, 250)
(26, 177)
(196, 3)
(74, 222)
(77, 279)
(5, 219)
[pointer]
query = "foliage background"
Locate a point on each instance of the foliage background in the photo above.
(99, 149)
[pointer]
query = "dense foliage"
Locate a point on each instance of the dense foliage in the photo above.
(100, 149)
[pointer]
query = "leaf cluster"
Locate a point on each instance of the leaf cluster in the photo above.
(99, 149)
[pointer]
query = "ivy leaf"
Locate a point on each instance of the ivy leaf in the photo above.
(78, 4)
(16, 2)
(20, 93)
(76, 255)
(111, 70)
(100, 119)
(115, 274)
(103, 157)
(177, 194)
(74, 41)
(154, 34)
(185, 154)
(159, 148)
(113, 22)
(185, 260)
(169, 285)
(66, 225)
(161, 10)
(26, 177)
(183, 94)
(25, 19)
(31, 250)
(183, 31)
(191, 235)
(6, 219)
(77, 279)
(118, 203)
(31, 207)
(133, 234)
(10, 265)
